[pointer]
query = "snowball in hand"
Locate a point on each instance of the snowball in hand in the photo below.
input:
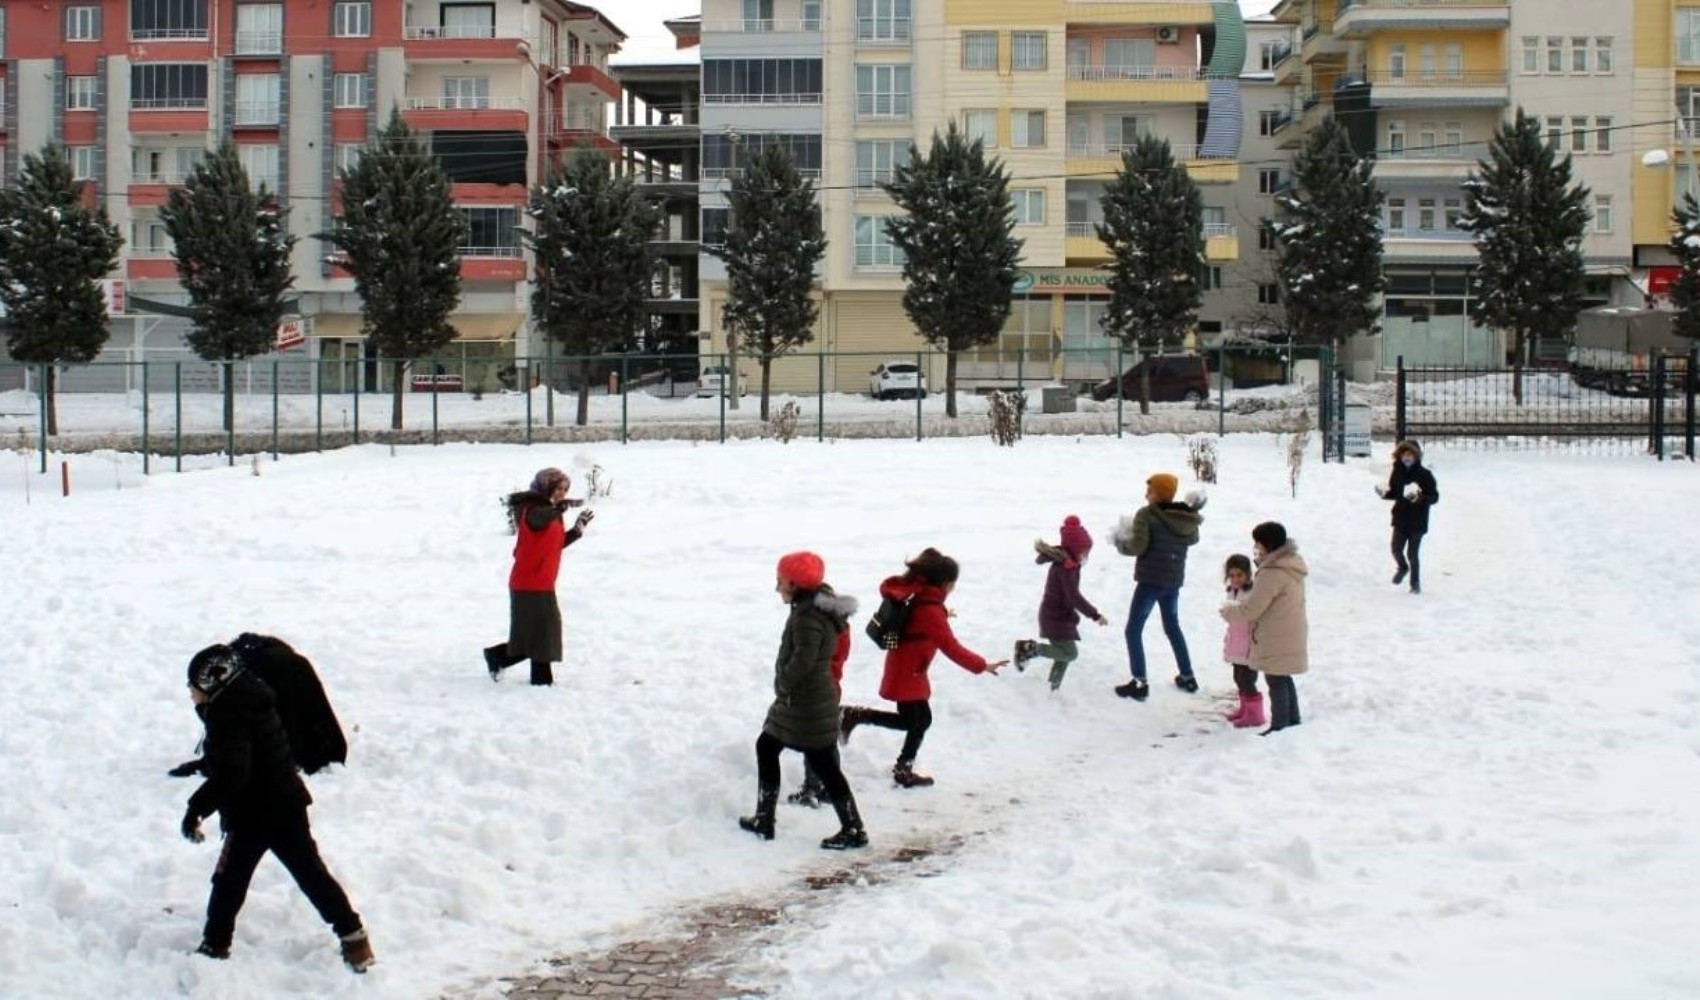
(1413, 491)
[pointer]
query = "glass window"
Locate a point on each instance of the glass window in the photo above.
(981, 125)
(1688, 35)
(1555, 132)
(1555, 54)
(1027, 50)
(714, 223)
(1425, 60)
(873, 246)
(350, 90)
(1266, 121)
(84, 162)
(980, 50)
(466, 92)
(1396, 61)
(1579, 55)
(1029, 206)
(1427, 136)
(1454, 142)
(348, 155)
(1454, 208)
(1602, 213)
(491, 230)
(1395, 215)
(351, 20)
(1266, 56)
(258, 99)
(876, 159)
(469, 20)
(1602, 135)
(168, 19)
(1425, 215)
(1531, 54)
(1027, 129)
(1454, 56)
(882, 91)
(882, 20)
(1578, 135)
(260, 161)
(1268, 294)
(1602, 55)
(82, 24)
(1268, 181)
(81, 93)
(811, 15)
(259, 28)
(157, 86)
(1079, 57)
(1395, 138)
(1129, 58)
(149, 238)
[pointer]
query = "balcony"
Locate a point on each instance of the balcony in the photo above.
(465, 111)
(883, 33)
(1138, 12)
(1306, 113)
(1131, 84)
(1427, 245)
(259, 44)
(462, 42)
(1462, 89)
(765, 26)
(1320, 45)
(1104, 159)
(581, 127)
(1221, 243)
(1440, 163)
(594, 79)
(1359, 19)
(769, 99)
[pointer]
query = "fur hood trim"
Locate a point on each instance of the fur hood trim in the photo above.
(840, 606)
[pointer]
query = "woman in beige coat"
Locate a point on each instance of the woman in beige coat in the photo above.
(1279, 629)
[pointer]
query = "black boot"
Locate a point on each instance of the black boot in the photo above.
(1025, 649)
(850, 833)
(761, 824)
(1135, 689)
(542, 673)
(811, 794)
(493, 657)
(849, 717)
(904, 773)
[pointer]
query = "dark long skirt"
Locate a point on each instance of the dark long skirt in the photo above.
(534, 626)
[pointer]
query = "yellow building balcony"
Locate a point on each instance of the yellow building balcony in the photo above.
(1081, 243)
(1359, 19)
(1102, 160)
(1287, 64)
(1139, 12)
(1441, 163)
(1141, 84)
(1319, 45)
(1462, 89)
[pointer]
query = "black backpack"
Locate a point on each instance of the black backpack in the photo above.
(886, 625)
(315, 736)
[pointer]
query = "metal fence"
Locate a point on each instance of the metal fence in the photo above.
(1648, 402)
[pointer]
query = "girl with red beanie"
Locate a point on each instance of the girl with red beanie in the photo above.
(804, 713)
(1062, 605)
(929, 579)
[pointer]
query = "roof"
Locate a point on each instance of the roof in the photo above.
(585, 12)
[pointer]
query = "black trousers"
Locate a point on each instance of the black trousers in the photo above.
(288, 836)
(1406, 545)
(1245, 679)
(821, 761)
(1283, 702)
(913, 717)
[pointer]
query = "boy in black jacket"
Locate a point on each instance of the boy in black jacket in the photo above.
(262, 804)
(1412, 489)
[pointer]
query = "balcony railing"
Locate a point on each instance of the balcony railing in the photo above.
(1438, 151)
(1280, 54)
(1407, 4)
(1157, 73)
(464, 103)
(511, 251)
(1082, 230)
(1417, 233)
(259, 43)
(1101, 150)
(1216, 229)
(761, 98)
(578, 120)
(1688, 128)
(258, 112)
(1436, 78)
(425, 32)
(765, 25)
(168, 34)
(882, 31)
(168, 103)
(870, 180)
(138, 252)
(160, 177)
(724, 173)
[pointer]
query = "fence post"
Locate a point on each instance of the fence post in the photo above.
(1399, 432)
(319, 403)
(144, 416)
(625, 399)
(1656, 400)
(1118, 377)
(1221, 392)
(1338, 399)
(41, 406)
(357, 380)
(529, 368)
(1690, 383)
(276, 368)
(436, 391)
(820, 396)
(177, 396)
(920, 376)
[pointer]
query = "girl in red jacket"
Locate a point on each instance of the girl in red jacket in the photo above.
(930, 578)
(534, 616)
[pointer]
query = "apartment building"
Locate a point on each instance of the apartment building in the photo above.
(1055, 88)
(140, 89)
(1422, 86)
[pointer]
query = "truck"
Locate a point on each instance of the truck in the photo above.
(1615, 346)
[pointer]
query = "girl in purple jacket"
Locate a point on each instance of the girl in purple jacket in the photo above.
(1236, 646)
(1062, 606)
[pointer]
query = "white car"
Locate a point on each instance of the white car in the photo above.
(713, 382)
(895, 379)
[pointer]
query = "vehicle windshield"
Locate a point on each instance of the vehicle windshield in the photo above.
(901, 369)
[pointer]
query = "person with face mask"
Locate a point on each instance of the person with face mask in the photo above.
(1412, 490)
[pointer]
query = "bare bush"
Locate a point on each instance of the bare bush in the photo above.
(1004, 410)
(1297, 443)
(600, 483)
(784, 423)
(1201, 455)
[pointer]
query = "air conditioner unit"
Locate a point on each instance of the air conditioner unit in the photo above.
(1168, 34)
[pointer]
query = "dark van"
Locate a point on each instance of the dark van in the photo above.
(1174, 378)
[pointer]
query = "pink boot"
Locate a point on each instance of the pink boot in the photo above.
(1237, 714)
(1253, 714)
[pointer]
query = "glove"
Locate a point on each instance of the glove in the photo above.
(188, 768)
(584, 519)
(191, 828)
(1381, 491)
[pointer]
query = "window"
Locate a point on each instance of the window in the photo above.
(715, 220)
(1027, 50)
(1555, 54)
(1688, 35)
(1396, 61)
(257, 99)
(1266, 56)
(1079, 57)
(81, 93)
(1079, 134)
(347, 155)
(721, 156)
(1395, 215)
(1029, 206)
(1122, 132)
(882, 20)
(85, 161)
(1454, 213)
(259, 28)
(1027, 129)
(1578, 135)
(1209, 279)
(468, 20)
(882, 91)
(1454, 139)
(1602, 213)
(1602, 135)
(168, 19)
(1268, 294)
(1425, 215)
(1266, 121)
(1395, 138)
(491, 231)
(873, 246)
(980, 50)
(350, 90)
(1531, 54)
(466, 92)
(1579, 55)
(876, 159)
(82, 24)
(260, 161)
(761, 81)
(1427, 135)
(1265, 236)
(157, 86)
(149, 238)
(1425, 60)
(351, 20)
(758, 15)
(1602, 55)
(164, 166)
(1268, 181)
(811, 15)
(1555, 132)
(1454, 56)
(981, 125)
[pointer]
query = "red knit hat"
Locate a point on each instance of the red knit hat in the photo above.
(804, 569)
(1075, 538)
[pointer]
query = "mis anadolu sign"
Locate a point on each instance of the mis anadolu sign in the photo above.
(1062, 280)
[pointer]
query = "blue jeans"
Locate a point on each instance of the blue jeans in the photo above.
(1167, 600)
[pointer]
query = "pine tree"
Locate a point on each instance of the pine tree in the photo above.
(1528, 219)
(1685, 244)
(1328, 244)
(773, 243)
(399, 235)
(590, 235)
(1154, 227)
(959, 257)
(232, 258)
(54, 251)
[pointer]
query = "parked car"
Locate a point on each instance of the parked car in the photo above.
(895, 379)
(1174, 378)
(712, 382)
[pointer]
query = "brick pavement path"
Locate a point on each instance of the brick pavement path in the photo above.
(695, 956)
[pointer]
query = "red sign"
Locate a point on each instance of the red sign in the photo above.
(290, 333)
(1660, 279)
(114, 290)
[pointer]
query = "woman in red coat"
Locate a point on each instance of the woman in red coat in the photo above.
(930, 578)
(534, 616)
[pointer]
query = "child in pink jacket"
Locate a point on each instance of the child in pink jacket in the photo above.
(1236, 646)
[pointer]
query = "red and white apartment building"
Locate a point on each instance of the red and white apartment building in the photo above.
(138, 90)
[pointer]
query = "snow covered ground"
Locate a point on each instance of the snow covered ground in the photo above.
(1491, 794)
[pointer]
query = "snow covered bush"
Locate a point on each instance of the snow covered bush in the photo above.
(784, 423)
(1297, 442)
(1005, 411)
(1201, 455)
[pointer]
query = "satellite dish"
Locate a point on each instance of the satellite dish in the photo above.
(1655, 159)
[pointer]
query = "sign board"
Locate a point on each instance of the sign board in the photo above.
(1661, 278)
(1357, 430)
(113, 291)
(291, 333)
(1056, 280)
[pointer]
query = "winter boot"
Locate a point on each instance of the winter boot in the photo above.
(1240, 708)
(850, 833)
(761, 824)
(1399, 575)
(213, 951)
(1025, 649)
(493, 661)
(1135, 689)
(1187, 683)
(810, 794)
(357, 951)
(904, 773)
(1057, 672)
(542, 673)
(1251, 712)
(849, 718)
